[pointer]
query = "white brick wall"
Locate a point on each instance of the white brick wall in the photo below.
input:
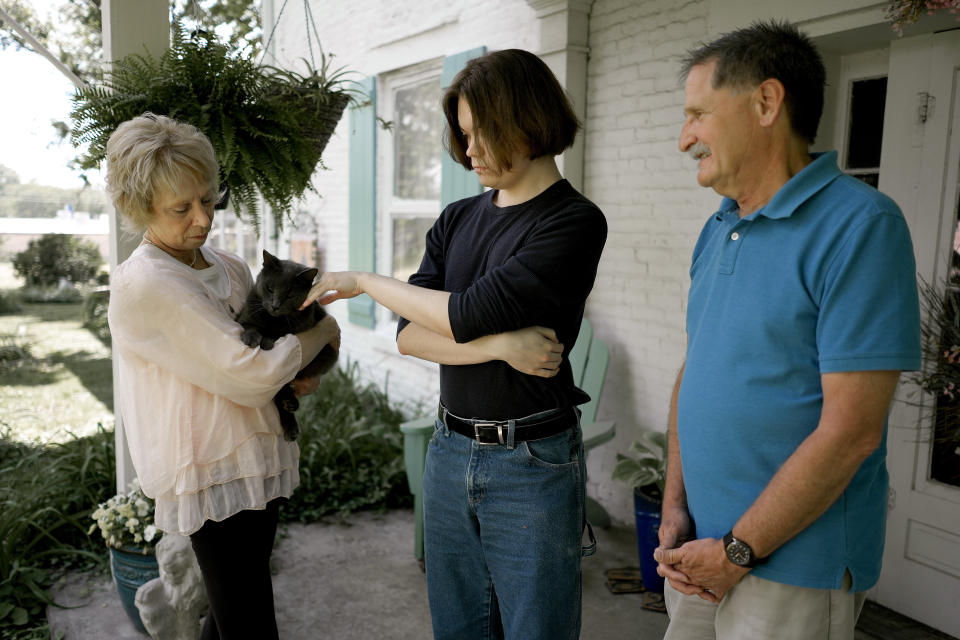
(647, 189)
(634, 172)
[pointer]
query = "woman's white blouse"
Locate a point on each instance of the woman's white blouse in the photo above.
(196, 403)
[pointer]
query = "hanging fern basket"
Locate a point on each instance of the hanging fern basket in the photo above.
(268, 126)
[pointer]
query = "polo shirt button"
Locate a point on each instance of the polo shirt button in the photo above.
(734, 236)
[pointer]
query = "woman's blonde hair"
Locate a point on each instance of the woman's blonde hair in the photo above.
(152, 153)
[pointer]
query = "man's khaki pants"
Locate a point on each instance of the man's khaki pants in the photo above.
(758, 609)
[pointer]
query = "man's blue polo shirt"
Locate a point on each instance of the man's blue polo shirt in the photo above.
(820, 280)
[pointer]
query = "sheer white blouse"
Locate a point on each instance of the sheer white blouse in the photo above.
(196, 403)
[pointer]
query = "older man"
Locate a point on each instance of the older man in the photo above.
(802, 312)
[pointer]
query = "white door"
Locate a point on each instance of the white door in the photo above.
(919, 166)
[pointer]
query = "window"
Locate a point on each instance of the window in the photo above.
(400, 179)
(232, 234)
(409, 173)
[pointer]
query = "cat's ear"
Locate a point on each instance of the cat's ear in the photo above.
(308, 275)
(269, 260)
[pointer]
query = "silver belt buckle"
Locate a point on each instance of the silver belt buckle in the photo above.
(498, 425)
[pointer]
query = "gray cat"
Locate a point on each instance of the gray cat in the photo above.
(272, 311)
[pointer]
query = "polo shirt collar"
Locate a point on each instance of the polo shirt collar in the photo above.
(798, 189)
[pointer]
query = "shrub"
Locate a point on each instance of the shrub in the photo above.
(47, 494)
(9, 302)
(66, 295)
(351, 450)
(94, 316)
(53, 256)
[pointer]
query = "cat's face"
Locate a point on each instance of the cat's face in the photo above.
(283, 284)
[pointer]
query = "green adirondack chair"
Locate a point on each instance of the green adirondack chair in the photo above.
(589, 360)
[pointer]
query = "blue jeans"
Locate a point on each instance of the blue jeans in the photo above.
(502, 536)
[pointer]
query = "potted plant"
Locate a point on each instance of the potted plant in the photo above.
(126, 523)
(268, 126)
(644, 470)
(940, 376)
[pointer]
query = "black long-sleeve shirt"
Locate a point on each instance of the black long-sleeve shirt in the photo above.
(508, 268)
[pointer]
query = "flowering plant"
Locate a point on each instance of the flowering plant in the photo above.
(940, 376)
(903, 12)
(126, 520)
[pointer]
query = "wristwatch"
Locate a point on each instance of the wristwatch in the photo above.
(740, 553)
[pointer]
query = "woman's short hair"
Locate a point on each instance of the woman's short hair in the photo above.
(516, 103)
(152, 153)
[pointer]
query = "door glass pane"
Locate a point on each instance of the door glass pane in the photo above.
(944, 305)
(865, 131)
(417, 142)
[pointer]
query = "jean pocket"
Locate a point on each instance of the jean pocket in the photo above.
(437, 430)
(555, 451)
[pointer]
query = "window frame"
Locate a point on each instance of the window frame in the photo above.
(390, 207)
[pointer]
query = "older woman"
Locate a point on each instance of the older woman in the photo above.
(204, 435)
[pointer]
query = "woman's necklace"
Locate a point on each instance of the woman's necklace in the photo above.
(196, 253)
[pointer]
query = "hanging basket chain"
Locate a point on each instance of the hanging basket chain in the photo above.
(276, 23)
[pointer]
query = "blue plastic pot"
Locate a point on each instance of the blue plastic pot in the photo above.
(647, 508)
(132, 568)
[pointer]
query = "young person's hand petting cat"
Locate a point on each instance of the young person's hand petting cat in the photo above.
(334, 285)
(534, 351)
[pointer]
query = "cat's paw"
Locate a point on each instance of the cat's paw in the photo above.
(251, 337)
(267, 343)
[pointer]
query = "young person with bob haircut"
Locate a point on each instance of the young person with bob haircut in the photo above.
(504, 479)
(197, 403)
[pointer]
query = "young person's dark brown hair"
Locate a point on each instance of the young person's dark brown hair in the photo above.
(516, 103)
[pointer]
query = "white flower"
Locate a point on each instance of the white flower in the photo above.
(126, 519)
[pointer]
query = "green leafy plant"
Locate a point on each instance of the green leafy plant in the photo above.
(647, 464)
(46, 496)
(56, 256)
(268, 126)
(351, 450)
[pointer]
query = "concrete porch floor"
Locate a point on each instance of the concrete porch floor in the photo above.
(360, 581)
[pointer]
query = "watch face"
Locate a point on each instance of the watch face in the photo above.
(739, 553)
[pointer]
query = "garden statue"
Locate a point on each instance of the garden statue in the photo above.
(171, 605)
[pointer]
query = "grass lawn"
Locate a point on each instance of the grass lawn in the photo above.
(67, 387)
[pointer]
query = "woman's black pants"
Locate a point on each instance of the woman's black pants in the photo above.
(234, 558)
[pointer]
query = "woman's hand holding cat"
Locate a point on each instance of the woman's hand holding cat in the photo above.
(305, 386)
(332, 331)
(533, 350)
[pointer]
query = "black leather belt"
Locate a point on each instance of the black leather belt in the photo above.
(495, 431)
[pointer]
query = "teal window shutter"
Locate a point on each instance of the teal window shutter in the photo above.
(363, 198)
(456, 182)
